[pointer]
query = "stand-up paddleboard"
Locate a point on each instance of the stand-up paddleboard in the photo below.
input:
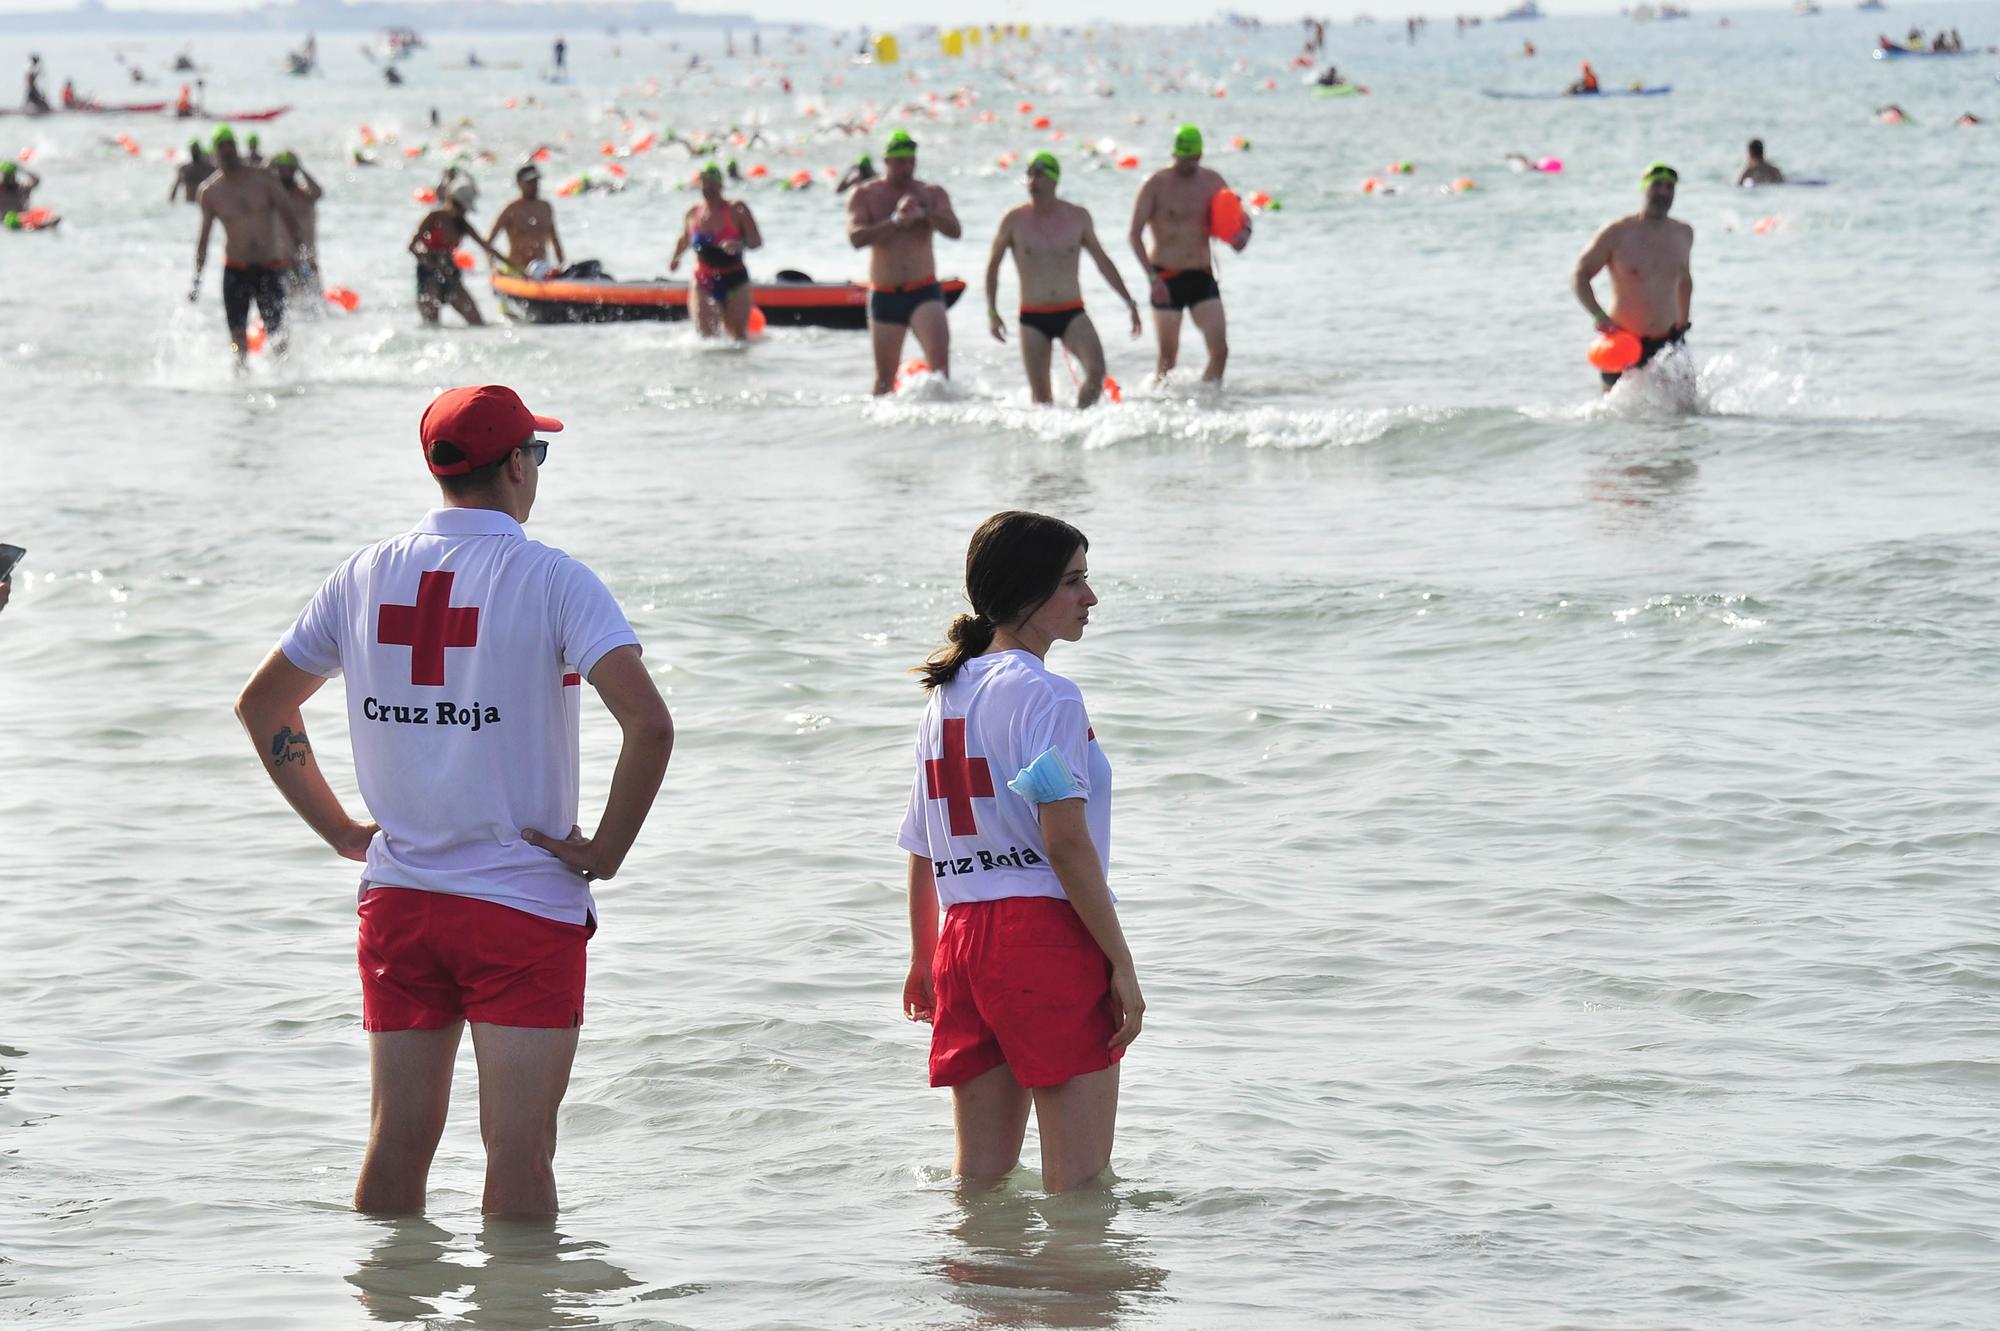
(1495, 93)
(1339, 90)
(794, 304)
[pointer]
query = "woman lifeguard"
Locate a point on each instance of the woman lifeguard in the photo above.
(1029, 986)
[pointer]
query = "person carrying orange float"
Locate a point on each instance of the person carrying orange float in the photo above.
(1048, 237)
(718, 230)
(1652, 285)
(1183, 204)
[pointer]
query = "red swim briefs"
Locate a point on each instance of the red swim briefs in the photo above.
(1020, 981)
(429, 959)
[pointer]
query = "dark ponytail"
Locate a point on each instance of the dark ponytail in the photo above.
(1013, 566)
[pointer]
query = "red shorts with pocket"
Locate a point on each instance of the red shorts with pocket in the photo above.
(429, 959)
(1020, 981)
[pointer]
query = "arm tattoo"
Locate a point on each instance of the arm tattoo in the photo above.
(289, 745)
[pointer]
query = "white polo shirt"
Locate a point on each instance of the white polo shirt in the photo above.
(464, 644)
(999, 714)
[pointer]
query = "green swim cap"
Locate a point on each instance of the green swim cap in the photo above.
(1187, 142)
(900, 145)
(9, 167)
(223, 134)
(1047, 164)
(252, 139)
(712, 170)
(286, 158)
(1659, 171)
(12, 221)
(864, 160)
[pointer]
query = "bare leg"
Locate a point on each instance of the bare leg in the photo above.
(427, 307)
(707, 314)
(991, 1114)
(1077, 1120)
(1208, 317)
(736, 313)
(1081, 337)
(933, 332)
(888, 343)
(523, 1072)
(1167, 325)
(1036, 352)
(410, 1075)
(461, 300)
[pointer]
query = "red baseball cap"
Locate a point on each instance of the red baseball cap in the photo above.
(477, 426)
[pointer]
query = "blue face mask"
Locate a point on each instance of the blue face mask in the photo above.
(1046, 780)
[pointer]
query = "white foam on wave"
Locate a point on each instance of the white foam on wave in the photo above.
(1770, 382)
(1183, 411)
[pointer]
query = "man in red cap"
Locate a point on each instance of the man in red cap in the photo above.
(464, 643)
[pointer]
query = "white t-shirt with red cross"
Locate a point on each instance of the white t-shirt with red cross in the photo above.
(997, 716)
(464, 644)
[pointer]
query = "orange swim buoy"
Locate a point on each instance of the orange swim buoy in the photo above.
(1225, 215)
(426, 196)
(1127, 163)
(757, 322)
(759, 171)
(910, 369)
(343, 297)
(1112, 390)
(1615, 353)
(1041, 122)
(254, 337)
(465, 261)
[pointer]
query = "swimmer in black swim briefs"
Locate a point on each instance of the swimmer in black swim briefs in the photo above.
(1051, 321)
(242, 285)
(895, 305)
(1187, 287)
(1649, 347)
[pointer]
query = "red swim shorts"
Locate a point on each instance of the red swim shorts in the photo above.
(1020, 981)
(429, 959)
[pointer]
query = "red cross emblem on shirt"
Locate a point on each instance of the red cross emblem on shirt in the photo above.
(958, 779)
(428, 627)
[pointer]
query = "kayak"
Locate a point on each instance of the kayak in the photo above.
(272, 114)
(1339, 90)
(1899, 53)
(1660, 91)
(128, 109)
(791, 304)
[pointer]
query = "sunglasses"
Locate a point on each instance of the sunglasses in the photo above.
(536, 449)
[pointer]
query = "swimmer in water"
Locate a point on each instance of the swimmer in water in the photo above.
(259, 243)
(1586, 85)
(1892, 114)
(1048, 237)
(1757, 171)
(528, 222)
(435, 247)
(17, 186)
(894, 219)
(191, 174)
(718, 230)
(1175, 203)
(302, 196)
(860, 173)
(1652, 283)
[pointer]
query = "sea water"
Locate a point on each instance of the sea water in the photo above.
(1555, 831)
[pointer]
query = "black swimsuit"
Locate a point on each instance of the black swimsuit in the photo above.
(1649, 347)
(1051, 321)
(1187, 287)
